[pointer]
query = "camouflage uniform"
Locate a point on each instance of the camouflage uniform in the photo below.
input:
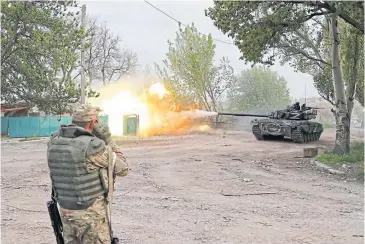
(91, 225)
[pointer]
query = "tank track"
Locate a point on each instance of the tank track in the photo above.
(302, 137)
(298, 136)
(256, 131)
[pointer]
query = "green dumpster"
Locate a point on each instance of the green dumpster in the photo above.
(130, 124)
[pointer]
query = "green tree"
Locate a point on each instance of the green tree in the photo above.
(352, 55)
(39, 45)
(258, 89)
(189, 70)
(265, 31)
(258, 26)
(341, 89)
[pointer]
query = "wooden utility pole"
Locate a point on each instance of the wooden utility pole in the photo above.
(83, 14)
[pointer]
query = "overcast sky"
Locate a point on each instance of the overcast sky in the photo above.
(145, 30)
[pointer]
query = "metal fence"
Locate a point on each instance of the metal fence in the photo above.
(34, 126)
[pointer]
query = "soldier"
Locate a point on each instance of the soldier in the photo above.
(78, 162)
(296, 106)
(304, 107)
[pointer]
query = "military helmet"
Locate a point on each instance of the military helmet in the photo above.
(85, 113)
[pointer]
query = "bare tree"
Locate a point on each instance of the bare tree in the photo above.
(106, 61)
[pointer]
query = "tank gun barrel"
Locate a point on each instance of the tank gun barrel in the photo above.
(309, 108)
(243, 115)
(314, 108)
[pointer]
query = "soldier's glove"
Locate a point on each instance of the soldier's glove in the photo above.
(102, 132)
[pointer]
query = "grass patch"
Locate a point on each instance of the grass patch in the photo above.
(360, 171)
(356, 155)
(33, 138)
(328, 126)
(355, 158)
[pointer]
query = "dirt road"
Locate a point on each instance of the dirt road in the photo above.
(217, 188)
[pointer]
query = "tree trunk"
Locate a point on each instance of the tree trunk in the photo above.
(342, 142)
(351, 88)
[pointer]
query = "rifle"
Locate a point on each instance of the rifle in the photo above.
(111, 164)
(55, 219)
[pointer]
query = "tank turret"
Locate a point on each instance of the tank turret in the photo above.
(293, 123)
(304, 113)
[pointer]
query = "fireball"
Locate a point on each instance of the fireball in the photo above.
(153, 107)
(158, 89)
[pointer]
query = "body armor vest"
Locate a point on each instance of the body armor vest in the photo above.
(75, 187)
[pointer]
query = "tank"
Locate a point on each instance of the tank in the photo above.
(292, 123)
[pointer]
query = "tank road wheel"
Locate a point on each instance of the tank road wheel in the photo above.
(297, 136)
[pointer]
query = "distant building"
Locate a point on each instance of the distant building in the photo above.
(23, 110)
(14, 110)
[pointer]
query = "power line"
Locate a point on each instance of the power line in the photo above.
(164, 13)
(179, 22)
